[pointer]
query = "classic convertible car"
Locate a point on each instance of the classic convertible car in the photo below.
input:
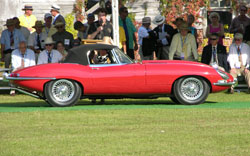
(103, 71)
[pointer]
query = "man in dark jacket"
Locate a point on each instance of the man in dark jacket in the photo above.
(215, 54)
(164, 34)
(55, 12)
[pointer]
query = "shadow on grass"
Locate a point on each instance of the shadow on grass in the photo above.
(98, 103)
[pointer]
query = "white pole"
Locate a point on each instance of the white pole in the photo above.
(115, 21)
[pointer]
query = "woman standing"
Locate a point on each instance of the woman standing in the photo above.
(215, 27)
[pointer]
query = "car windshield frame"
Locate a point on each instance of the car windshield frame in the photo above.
(121, 57)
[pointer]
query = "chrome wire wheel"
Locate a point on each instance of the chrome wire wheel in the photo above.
(63, 90)
(192, 88)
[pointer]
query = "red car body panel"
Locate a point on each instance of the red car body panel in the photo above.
(148, 77)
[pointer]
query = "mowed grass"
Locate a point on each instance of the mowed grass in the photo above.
(126, 127)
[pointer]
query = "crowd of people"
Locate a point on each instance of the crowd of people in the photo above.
(28, 41)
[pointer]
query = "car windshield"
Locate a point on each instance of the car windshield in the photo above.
(123, 58)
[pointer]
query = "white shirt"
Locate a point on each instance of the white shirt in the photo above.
(16, 58)
(162, 35)
(32, 41)
(212, 58)
(233, 57)
(142, 33)
(43, 57)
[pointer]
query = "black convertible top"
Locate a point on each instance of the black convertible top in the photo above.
(79, 54)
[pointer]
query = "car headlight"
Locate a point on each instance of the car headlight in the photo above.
(223, 74)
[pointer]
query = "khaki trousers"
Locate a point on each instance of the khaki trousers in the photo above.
(241, 72)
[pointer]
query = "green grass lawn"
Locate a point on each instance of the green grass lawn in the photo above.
(220, 126)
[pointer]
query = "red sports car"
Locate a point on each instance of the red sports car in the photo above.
(103, 71)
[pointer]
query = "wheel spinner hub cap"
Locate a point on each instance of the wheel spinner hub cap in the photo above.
(192, 88)
(63, 90)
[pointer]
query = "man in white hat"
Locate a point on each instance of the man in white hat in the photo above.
(36, 39)
(55, 12)
(10, 39)
(49, 55)
(28, 20)
(183, 45)
(238, 58)
(146, 51)
(164, 34)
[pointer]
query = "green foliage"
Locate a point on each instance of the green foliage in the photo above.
(69, 19)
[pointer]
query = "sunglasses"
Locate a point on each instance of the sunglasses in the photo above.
(213, 39)
(237, 39)
(48, 44)
(125, 11)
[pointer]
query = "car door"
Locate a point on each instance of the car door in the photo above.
(121, 76)
(113, 79)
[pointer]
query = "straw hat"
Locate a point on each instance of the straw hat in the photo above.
(49, 40)
(27, 7)
(38, 24)
(238, 36)
(106, 40)
(10, 22)
(158, 20)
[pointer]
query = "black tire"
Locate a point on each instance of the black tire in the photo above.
(191, 90)
(62, 93)
(174, 100)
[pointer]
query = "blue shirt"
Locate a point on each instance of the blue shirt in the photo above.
(5, 38)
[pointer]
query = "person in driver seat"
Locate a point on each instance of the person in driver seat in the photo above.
(103, 57)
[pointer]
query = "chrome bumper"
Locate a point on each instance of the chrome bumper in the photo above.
(7, 77)
(225, 83)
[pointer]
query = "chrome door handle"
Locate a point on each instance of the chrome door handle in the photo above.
(95, 68)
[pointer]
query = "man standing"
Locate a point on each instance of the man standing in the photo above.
(240, 23)
(49, 55)
(215, 54)
(91, 19)
(146, 40)
(183, 45)
(47, 24)
(164, 34)
(129, 28)
(100, 28)
(55, 12)
(238, 59)
(36, 39)
(10, 39)
(63, 36)
(28, 20)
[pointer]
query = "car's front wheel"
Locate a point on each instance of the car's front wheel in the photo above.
(191, 90)
(62, 93)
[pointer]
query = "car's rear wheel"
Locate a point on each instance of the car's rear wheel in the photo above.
(191, 90)
(62, 93)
